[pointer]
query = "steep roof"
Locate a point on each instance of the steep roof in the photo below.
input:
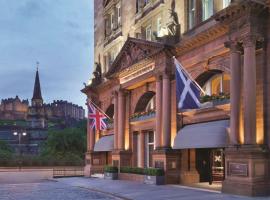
(37, 90)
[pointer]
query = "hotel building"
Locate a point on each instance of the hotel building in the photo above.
(224, 45)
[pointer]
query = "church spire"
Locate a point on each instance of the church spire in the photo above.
(37, 91)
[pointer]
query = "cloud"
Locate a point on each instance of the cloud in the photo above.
(58, 34)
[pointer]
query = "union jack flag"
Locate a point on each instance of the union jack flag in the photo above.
(97, 120)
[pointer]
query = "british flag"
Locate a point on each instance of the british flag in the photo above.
(97, 120)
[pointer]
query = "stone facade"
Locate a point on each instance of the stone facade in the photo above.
(223, 45)
(13, 109)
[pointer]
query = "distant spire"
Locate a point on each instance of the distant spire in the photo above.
(37, 90)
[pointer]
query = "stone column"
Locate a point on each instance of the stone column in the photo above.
(166, 111)
(121, 119)
(115, 120)
(141, 149)
(249, 90)
(235, 90)
(91, 136)
(158, 111)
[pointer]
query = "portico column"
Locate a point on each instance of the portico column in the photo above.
(91, 136)
(166, 110)
(121, 119)
(235, 90)
(158, 111)
(249, 90)
(115, 120)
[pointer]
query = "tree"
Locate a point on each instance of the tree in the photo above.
(68, 144)
(6, 152)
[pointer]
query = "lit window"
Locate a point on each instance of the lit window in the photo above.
(226, 3)
(191, 13)
(219, 83)
(148, 32)
(207, 9)
(159, 26)
(151, 104)
(149, 148)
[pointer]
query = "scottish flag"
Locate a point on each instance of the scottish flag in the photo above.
(187, 90)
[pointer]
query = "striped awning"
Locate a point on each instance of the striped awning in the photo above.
(203, 135)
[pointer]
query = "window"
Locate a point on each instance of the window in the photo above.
(118, 15)
(149, 148)
(146, 2)
(191, 13)
(219, 83)
(207, 9)
(226, 3)
(148, 33)
(112, 21)
(159, 26)
(151, 104)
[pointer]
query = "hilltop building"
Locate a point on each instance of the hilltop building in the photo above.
(18, 116)
(224, 45)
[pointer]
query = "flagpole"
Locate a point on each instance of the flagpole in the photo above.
(99, 109)
(187, 74)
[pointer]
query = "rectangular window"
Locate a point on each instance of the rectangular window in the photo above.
(112, 21)
(118, 15)
(148, 33)
(191, 13)
(226, 3)
(149, 148)
(159, 26)
(207, 9)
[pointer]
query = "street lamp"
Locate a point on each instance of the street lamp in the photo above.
(20, 135)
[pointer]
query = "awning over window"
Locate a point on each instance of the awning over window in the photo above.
(105, 143)
(203, 135)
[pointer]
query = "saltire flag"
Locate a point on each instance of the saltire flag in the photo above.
(97, 120)
(187, 90)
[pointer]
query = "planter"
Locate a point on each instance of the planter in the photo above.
(110, 175)
(143, 117)
(131, 177)
(154, 180)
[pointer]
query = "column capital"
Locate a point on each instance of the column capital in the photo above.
(251, 40)
(233, 45)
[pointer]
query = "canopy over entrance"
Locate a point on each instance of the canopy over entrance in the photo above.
(203, 135)
(105, 143)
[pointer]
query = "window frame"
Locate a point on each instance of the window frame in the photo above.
(147, 36)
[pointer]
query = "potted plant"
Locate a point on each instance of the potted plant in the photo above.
(154, 176)
(110, 172)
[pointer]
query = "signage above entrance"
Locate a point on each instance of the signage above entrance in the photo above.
(137, 73)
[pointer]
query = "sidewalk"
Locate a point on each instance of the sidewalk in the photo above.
(137, 191)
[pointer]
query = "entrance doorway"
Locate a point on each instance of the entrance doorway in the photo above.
(210, 165)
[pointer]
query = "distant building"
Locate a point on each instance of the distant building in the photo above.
(19, 116)
(13, 109)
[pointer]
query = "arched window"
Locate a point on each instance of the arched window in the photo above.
(218, 83)
(146, 102)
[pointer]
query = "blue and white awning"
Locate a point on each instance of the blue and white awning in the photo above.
(104, 144)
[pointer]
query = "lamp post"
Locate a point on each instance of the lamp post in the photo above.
(20, 135)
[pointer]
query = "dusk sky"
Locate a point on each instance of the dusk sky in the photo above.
(56, 33)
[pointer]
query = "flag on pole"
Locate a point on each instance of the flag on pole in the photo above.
(97, 120)
(187, 90)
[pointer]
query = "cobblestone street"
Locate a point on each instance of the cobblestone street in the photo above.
(48, 190)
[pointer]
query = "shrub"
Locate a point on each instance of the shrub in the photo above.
(110, 169)
(132, 170)
(154, 172)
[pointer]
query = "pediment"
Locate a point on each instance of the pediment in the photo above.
(134, 51)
